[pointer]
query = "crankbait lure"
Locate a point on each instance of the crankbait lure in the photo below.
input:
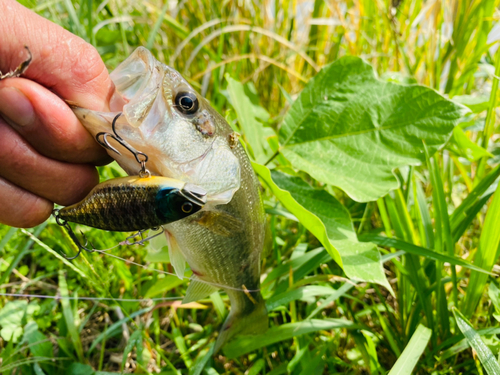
(134, 203)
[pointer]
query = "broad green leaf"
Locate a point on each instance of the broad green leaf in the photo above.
(12, 313)
(79, 369)
(351, 130)
(486, 255)
(325, 217)
(463, 146)
(245, 344)
(163, 285)
(484, 353)
(411, 354)
(476, 104)
(39, 344)
(299, 293)
(11, 317)
(11, 333)
(308, 219)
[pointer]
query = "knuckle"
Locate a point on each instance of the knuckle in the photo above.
(92, 71)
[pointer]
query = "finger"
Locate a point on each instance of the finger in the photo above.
(59, 182)
(47, 123)
(21, 208)
(62, 62)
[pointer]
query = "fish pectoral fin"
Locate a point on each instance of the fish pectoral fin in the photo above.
(158, 242)
(221, 223)
(177, 259)
(197, 290)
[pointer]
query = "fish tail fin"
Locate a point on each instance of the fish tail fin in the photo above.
(246, 317)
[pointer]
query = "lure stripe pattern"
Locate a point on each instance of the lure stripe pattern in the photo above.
(122, 208)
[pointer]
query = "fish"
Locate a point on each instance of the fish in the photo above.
(186, 139)
(135, 203)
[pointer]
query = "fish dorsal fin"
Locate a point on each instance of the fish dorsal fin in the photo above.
(197, 290)
(177, 259)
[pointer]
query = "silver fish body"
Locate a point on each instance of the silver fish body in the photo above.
(186, 139)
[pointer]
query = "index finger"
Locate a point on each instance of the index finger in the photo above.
(62, 61)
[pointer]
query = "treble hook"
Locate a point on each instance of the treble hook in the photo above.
(105, 143)
(74, 238)
(72, 235)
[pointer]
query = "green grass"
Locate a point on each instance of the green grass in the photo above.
(442, 218)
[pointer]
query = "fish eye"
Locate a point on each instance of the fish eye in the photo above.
(187, 207)
(186, 102)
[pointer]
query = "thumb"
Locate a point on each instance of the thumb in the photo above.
(62, 61)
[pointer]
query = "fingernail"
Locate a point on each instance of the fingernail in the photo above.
(16, 107)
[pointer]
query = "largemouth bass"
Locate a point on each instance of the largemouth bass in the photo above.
(187, 140)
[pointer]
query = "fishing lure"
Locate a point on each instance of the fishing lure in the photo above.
(134, 203)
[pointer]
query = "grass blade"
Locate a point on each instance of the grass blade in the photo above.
(486, 255)
(111, 330)
(69, 317)
(410, 356)
(484, 353)
(461, 212)
(421, 251)
(156, 27)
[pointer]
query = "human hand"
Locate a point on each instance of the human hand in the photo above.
(46, 156)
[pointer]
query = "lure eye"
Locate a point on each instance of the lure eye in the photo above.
(187, 207)
(186, 102)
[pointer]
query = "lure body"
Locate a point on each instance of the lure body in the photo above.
(133, 203)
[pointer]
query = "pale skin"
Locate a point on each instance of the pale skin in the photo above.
(46, 155)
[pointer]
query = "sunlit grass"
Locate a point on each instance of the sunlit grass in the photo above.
(278, 46)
